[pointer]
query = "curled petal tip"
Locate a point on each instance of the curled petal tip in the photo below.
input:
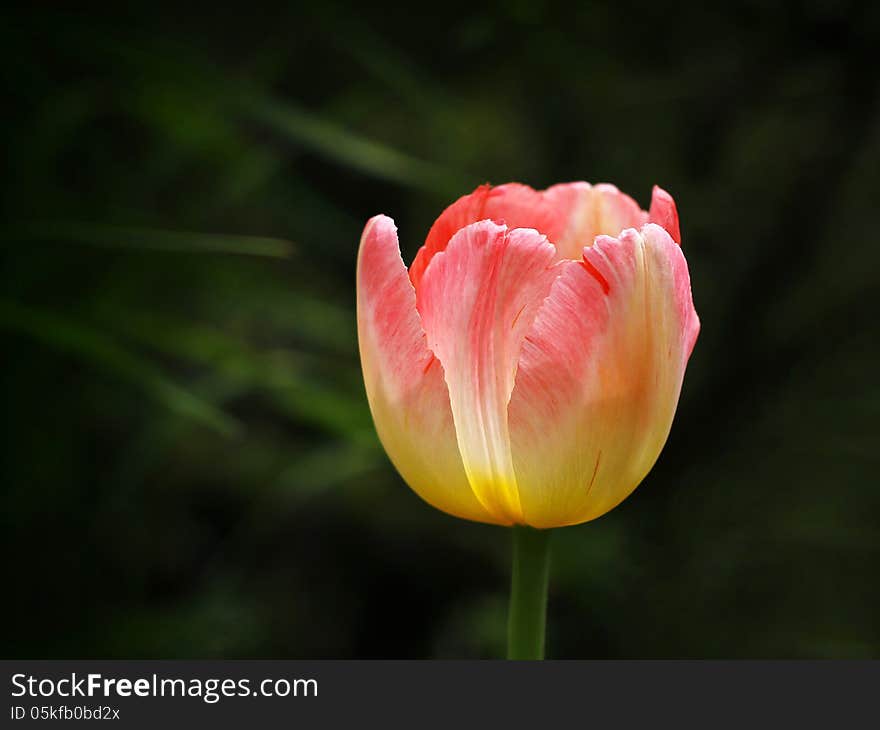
(664, 213)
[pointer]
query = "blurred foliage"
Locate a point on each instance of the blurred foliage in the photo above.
(190, 467)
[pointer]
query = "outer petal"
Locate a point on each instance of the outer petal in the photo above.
(477, 300)
(664, 213)
(404, 381)
(599, 377)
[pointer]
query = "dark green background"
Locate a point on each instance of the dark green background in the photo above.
(190, 469)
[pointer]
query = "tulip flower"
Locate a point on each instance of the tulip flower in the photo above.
(525, 370)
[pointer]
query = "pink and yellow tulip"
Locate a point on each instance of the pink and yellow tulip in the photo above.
(526, 369)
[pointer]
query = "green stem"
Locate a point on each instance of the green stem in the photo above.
(528, 593)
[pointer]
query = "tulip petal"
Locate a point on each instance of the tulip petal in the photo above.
(477, 300)
(404, 381)
(590, 211)
(513, 204)
(664, 213)
(571, 215)
(599, 377)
